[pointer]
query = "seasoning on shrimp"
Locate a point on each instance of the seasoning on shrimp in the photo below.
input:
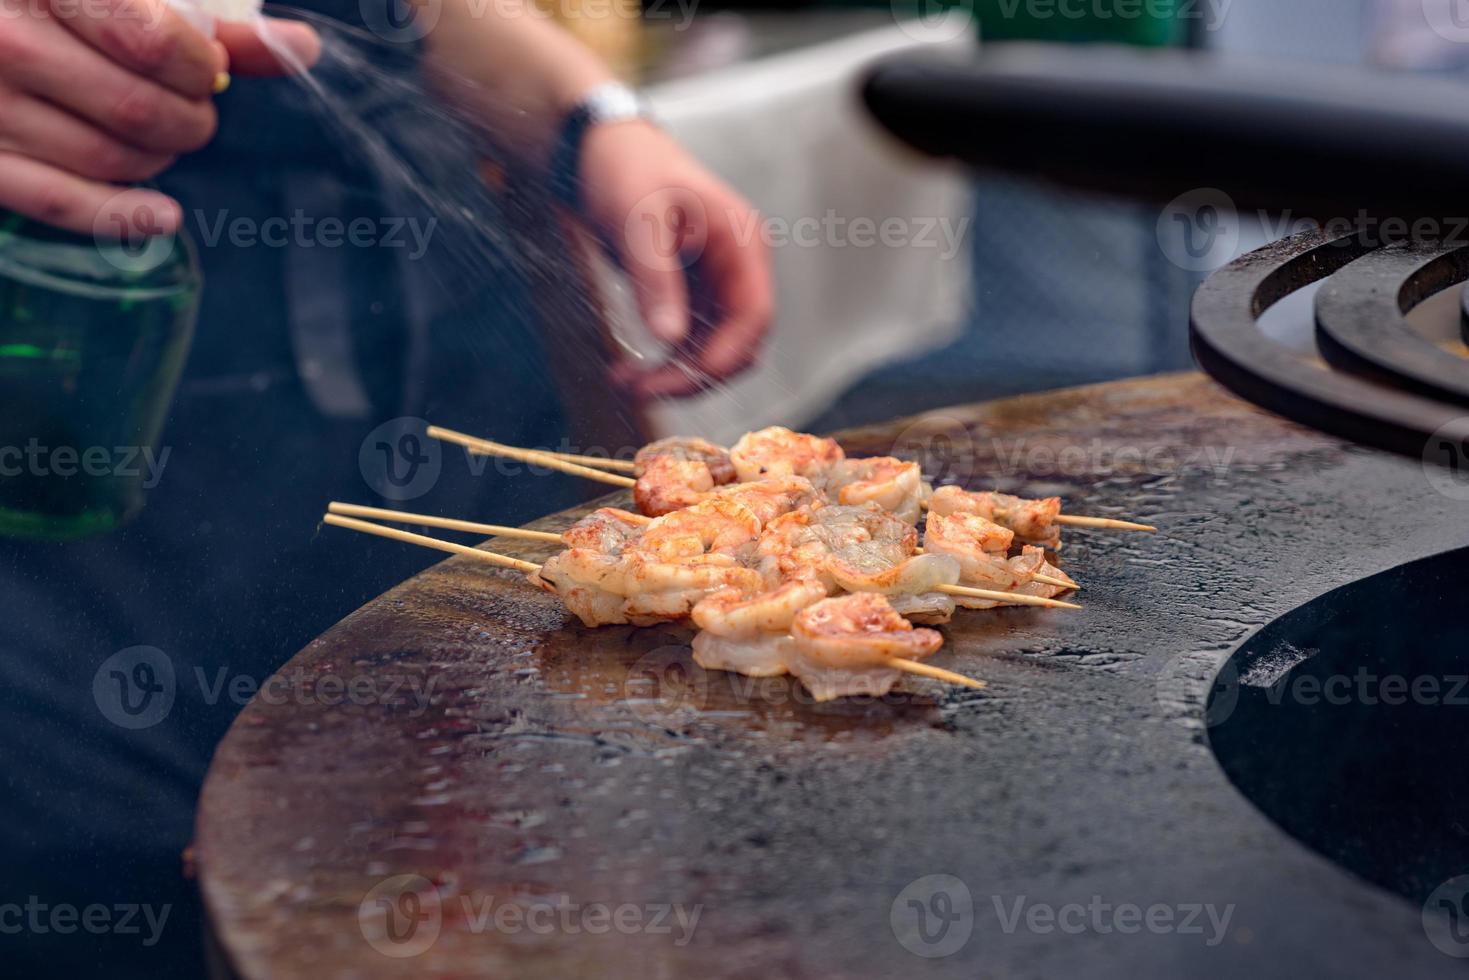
(777, 451)
(845, 646)
(1033, 521)
(979, 549)
(716, 458)
(668, 484)
(893, 484)
(750, 635)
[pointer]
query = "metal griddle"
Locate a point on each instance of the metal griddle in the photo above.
(559, 763)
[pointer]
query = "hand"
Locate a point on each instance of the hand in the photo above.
(672, 223)
(93, 96)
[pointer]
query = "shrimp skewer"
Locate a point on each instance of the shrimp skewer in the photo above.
(761, 457)
(750, 635)
(858, 645)
(970, 540)
(815, 653)
(894, 485)
(864, 549)
(777, 451)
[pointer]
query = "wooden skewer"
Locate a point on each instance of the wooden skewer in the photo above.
(423, 541)
(1007, 598)
(597, 462)
(1105, 523)
(446, 523)
(936, 673)
(594, 467)
(486, 447)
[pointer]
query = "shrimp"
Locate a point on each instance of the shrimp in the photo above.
(1033, 521)
(964, 538)
(716, 458)
(658, 575)
(894, 485)
(636, 588)
(771, 498)
(805, 543)
(607, 530)
(751, 635)
(669, 484)
(912, 582)
(777, 451)
(844, 646)
(716, 531)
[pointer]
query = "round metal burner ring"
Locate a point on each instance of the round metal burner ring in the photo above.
(1361, 323)
(1229, 345)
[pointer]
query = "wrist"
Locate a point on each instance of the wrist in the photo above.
(609, 104)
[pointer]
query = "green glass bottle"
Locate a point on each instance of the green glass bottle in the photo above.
(93, 338)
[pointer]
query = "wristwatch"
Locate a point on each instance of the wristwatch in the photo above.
(609, 102)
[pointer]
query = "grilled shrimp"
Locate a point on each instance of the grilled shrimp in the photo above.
(771, 498)
(669, 484)
(777, 451)
(1033, 521)
(732, 613)
(964, 538)
(751, 635)
(844, 646)
(804, 543)
(716, 530)
(894, 485)
(870, 570)
(607, 530)
(716, 458)
(635, 587)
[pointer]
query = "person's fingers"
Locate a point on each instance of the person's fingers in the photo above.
(148, 38)
(738, 273)
(39, 56)
(36, 129)
(655, 252)
(54, 197)
(286, 47)
(676, 379)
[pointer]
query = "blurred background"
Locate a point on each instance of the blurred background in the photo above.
(1022, 286)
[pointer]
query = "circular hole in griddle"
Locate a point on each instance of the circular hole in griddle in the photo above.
(1345, 722)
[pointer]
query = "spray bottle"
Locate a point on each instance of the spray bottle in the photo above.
(94, 333)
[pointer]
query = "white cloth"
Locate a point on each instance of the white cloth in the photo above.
(790, 133)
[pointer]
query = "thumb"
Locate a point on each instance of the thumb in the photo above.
(662, 238)
(663, 300)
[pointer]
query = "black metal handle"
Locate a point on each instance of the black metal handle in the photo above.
(1324, 141)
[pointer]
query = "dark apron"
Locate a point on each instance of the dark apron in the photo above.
(302, 353)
